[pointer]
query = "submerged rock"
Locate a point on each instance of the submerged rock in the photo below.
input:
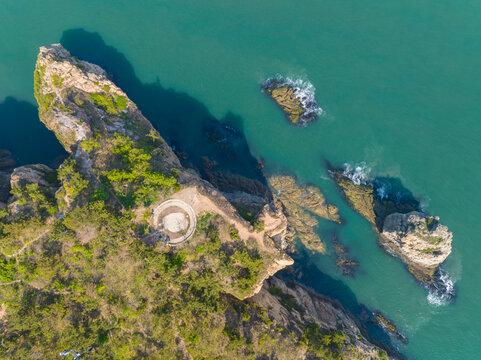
(389, 327)
(6, 160)
(418, 239)
(301, 203)
(295, 98)
(344, 261)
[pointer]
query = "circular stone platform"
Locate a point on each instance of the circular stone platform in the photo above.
(175, 219)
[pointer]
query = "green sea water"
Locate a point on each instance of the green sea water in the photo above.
(399, 82)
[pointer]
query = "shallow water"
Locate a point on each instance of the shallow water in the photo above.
(399, 83)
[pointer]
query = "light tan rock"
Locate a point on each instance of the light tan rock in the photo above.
(419, 239)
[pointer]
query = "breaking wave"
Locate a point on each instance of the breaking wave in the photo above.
(359, 174)
(304, 91)
(442, 291)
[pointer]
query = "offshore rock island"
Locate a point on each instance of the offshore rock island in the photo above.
(295, 98)
(86, 268)
(420, 240)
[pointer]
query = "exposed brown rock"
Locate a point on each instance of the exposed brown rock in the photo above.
(301, 204)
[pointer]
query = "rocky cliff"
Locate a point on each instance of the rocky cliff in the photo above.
(84, 271)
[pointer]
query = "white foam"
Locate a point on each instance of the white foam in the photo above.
(443, 291)
(359, 174)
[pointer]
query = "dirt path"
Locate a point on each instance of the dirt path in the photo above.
(27, 244)
(201, 203)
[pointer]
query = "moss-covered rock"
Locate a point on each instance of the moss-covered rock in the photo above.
(360, 197)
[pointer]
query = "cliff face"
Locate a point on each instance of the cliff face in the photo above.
(294, 306)
(418, 239)
(84, 268)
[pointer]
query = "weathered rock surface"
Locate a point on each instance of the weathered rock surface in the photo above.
(30, 174)
(301, 203)
(418, 238)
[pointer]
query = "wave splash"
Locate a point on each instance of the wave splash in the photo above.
(442, 291)
(303, 90)
(359, 174)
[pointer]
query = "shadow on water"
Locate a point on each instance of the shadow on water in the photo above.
(305, 271)
(392, 189)
(25, 136)
(184, 122)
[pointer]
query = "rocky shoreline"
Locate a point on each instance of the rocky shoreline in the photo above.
(88, 217)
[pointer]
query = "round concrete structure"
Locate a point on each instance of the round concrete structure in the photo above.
(175, 219)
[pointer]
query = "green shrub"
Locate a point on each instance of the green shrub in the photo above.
(234, 233)
(258, 225)
(286, 300)
(90, 144)
(112, 104)
(57, 80)
(73, 182)
(136, 182)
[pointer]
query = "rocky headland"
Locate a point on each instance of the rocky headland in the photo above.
(81, 274)
(295, 98)
(419, 239)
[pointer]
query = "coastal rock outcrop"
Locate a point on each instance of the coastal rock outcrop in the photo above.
(301, 204)
(420, 239)
(295, 98)
(417, 238)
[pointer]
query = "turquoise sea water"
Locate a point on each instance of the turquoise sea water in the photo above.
(399, 83)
